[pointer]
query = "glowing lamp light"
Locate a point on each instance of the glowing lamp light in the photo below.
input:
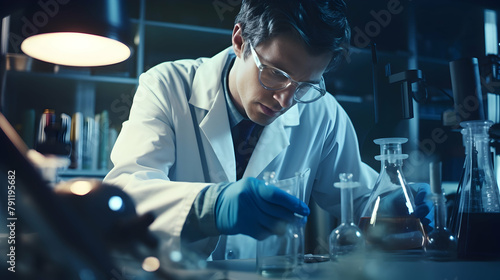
(81, 187)
(151, 264)
(75, 49)
(77, 32)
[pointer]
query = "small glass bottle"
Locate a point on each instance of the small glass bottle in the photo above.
(347, 237)
(441, 243)
(477, 220)
(388, 220)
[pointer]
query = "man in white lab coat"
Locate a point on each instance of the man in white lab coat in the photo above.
(175, 155)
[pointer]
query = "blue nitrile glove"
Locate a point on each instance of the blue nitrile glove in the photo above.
(251, 207)
(425, 207)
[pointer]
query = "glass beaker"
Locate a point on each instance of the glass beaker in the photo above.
(388, 220)
(278, 255)
(477, 220)
(347, 237)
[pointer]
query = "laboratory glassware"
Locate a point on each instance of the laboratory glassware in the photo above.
(477, 220)
(347, 237)
(278, 255)
(441, 243)
(388, 220)
(301, 178)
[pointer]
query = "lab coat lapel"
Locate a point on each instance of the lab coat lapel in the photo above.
(273, 140)
(207, 94)
(215, 126)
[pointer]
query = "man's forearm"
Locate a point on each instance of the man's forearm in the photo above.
(200, 222)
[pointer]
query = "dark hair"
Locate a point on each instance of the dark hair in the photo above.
(322, 24)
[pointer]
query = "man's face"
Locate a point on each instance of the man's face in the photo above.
(285, 52)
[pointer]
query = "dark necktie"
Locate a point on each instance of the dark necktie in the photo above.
(245, 136)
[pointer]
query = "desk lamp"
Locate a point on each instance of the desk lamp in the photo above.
(77, 32)
(71, 33)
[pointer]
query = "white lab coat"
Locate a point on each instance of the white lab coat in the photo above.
(157, 160)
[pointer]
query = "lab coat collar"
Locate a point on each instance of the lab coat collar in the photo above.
(207, 93)
(207, 82)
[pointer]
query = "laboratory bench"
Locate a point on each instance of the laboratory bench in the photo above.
(367, 268)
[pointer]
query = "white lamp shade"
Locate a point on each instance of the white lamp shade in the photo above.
(75, 49)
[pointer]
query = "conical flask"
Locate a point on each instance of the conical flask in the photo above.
(388, 220)
(477, 220)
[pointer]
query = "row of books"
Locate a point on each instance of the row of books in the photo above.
(92, 139)
(86, 140)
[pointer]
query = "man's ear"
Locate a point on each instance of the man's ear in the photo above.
(238, 41)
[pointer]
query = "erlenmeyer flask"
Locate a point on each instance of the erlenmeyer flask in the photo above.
(388, 220)
(478, 217)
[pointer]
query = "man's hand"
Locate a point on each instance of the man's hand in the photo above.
(251, 207)
(424, 207)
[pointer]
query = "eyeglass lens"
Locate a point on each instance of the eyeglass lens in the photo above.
(307, 92)
(275, 80)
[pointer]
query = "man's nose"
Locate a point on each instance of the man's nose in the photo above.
(285, 96)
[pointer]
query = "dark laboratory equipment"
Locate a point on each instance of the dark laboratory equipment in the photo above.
(406, 79)
(476, 221)
(347, 237)
(466, 86)
(109, 212)
(74, 233)
(490, 70)
(393, 97)
(390, 107)
(388, 220)
(441, 243)
(44, 227)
